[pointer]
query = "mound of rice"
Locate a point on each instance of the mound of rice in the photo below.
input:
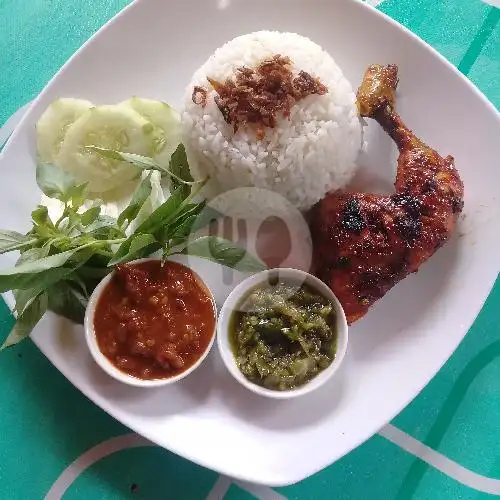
(304, 156)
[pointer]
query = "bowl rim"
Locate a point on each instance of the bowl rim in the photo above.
(107, 365)
(240, 291)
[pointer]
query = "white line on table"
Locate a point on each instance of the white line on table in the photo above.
(440, 462)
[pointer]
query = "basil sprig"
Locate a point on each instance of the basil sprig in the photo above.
(62, 262)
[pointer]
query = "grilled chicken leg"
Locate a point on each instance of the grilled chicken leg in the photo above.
(365, 243)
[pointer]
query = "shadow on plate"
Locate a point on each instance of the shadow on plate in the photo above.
(282, 415)
(212, 380)
(174, 399)
(377, 165)
(147, 402)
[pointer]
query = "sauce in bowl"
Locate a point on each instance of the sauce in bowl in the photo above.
(283, 334)
(153, 321)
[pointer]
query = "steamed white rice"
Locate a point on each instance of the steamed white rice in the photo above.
(304, 156)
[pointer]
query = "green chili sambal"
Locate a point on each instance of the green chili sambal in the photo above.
(283, 334)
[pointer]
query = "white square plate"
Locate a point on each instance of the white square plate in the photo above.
(151, 50)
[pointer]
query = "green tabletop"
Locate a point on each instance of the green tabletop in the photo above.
(54, 443)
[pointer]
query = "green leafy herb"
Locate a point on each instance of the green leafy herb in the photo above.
(93, 272)
(11, 240)
(90, 216)
(143, 162)
(66, 300)
(178, 168)
(206, 217)
(40, 216)
(182, 225)
(32, 254)
(104, 228)
(224, 252)
(163, 214)
(136, 247)
(182, 230)
(179, 165)
(27, 320)
(139, 197)
(62, 262)
(76, 194)
(10, 279)
(24, 298)
(55, 182)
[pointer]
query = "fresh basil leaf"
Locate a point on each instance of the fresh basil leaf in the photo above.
(206, 217)
(155, 199)
(179, 168)
(11, 237)
(41, 217)
(187, 211)
(90, 216)
(103, 228)
(179, 165)
(41, 271)
(224, 252)
(139, 197)
(12, 240)
(77, 194)
(182, 226)
(74, 221)
(27, 281)
(67, 301)
(27, 321)
(145, 163)
(87, 277)
(107, 233)
(42, 231)
(88, 272)
(164, 214)
(32, 254)
(142, 162)
(182, 231)
(137, 246)
(139, 242)
(79, 283)
(24, 298)
(54, 181)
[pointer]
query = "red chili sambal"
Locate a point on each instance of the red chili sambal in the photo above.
(154, 322)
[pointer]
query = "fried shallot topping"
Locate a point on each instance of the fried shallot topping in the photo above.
(199, 96)
(256, 97)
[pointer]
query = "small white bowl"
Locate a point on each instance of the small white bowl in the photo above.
(109, 367)
(233, 301)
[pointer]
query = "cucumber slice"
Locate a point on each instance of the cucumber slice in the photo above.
(113, 127)
(167, 125)
(54, 123)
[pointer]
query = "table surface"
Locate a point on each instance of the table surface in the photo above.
(54, 443)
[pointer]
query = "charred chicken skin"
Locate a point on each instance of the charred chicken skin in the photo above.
(365, 243)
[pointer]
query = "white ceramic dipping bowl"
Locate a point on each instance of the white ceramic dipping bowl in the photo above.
(109, 367)
(234, 300)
